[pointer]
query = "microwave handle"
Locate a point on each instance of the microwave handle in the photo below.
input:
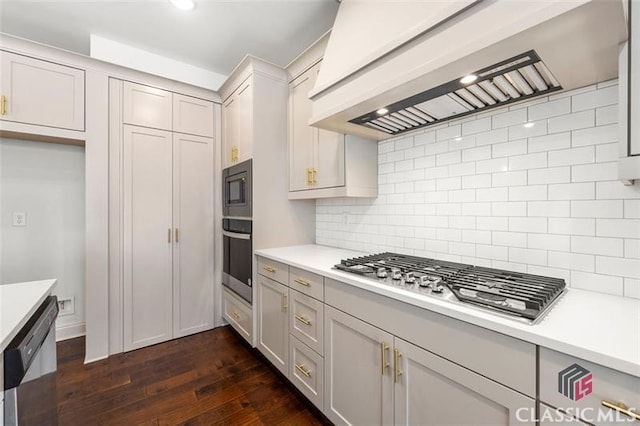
(236, 235)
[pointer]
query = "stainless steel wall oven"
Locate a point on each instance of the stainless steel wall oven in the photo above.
(237, 257)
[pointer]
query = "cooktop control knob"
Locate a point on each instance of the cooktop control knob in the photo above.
(423, 281)
(409, 278)
(437, 287)
(396, 274)
(381, 273)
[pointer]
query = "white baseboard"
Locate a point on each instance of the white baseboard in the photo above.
(70, 331)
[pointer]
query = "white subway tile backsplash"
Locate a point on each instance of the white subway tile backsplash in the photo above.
(550, 109)
(572, 191)
(567, 157)
(578, 120)
(607, 209)
(476, 126)
(549, 208)
(629, 268)
(595, 135)
(474, 154)
(572, 226)
(596, 282)
(597, 245)
(550, 175)
(508, 149)
(528, 161)
(595, 99)
(518, 178)
(550, 142)
(486, 190)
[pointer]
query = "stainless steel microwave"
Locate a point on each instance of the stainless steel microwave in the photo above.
(236, 190)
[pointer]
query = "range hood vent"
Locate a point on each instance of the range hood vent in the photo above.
(521, 77)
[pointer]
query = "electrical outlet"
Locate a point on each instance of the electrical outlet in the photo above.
(19, 219)
(66, 306)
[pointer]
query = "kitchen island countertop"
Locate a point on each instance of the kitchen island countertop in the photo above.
(18, 302)
(597, 327)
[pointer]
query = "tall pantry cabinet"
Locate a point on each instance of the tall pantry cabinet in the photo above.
(161, 152)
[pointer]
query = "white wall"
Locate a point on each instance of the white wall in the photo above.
(47, 182)
(486, 190)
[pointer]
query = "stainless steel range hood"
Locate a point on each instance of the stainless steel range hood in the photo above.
(518, 49)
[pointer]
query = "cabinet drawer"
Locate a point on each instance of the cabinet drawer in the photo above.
(579, 387)
(307, 282)
(275, 270)
(237, 313)
(306, 371)
(147, 106)
(306, 316)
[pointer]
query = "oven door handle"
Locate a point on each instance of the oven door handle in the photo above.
(237, 235)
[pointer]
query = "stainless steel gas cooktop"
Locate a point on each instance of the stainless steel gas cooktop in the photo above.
(518, 295)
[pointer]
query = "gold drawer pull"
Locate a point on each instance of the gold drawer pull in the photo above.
(235, 315)
(303, 370)
(269, 269)
(284, 302)
(302, 282)
(396, 364)
(621, 407)
(383, 349)
(303, 320)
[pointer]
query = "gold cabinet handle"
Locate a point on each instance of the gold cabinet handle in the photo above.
(313, 176)
(396, 365)
(384, 363)
(234, 154)
(169, 235)
(621, 407)
(3, 105)
(284, 302)
(303, 370)
(302, 282)
(235, 315)
(303, 320)
(309, 178)
(269, 269)
(176, 237)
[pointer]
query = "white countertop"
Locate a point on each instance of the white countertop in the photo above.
(596, 327)
(17, 303)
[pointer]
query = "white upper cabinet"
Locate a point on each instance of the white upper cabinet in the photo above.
(147, 106)
(192, 115)
(237, 125)
(41, 93)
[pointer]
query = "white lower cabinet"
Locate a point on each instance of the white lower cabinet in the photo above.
(430, 390)
(358, 381)
(273, 322)
(306, 320)
(238, 313)
(306, 371)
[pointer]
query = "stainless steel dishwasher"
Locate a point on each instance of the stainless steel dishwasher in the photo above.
(30, 370)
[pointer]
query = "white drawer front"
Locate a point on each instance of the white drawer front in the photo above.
(238, 314)
(275, 270)
(307, 282)
(306, 317)
(306, 371)
(579, 387)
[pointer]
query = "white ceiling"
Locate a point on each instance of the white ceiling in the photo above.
(215, 36)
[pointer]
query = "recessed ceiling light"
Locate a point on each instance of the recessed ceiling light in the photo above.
(382, 111)
(529, 125)
(468, 79)
(183, 4)
(457, 139)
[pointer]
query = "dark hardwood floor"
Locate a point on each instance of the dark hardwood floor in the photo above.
(204, 379)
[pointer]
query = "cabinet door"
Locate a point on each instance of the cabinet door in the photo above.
(301, 135)
(273, 322)
(192, 115)
(634, 79)
(229, 131)
(432, 390)
(329, 160)
(147, 236)
(41, 93)
(358, 381)
(192, 234)
(244, 120)
(147, 106)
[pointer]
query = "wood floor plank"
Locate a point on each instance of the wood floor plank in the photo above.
(211, 378)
